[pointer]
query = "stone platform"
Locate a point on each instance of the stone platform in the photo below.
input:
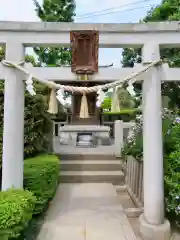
(68, 133)
(72, 149)
(86, 212)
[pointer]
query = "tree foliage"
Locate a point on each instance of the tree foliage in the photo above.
(37, 123)
(131, 56)
(55, 11)
(168, 10)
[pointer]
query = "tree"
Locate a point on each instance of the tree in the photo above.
(55, 11)
(168, 10)
(131, 56)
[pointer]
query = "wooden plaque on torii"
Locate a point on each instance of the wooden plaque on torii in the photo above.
(85, 47)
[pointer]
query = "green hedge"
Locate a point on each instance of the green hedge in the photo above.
(41, 175)
(16, 209)
(125, 115)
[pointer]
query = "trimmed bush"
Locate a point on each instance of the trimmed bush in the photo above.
(16, 209)
(125, 111)
(41, 175)
(125, 115)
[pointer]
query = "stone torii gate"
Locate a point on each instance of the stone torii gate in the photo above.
(15, 36)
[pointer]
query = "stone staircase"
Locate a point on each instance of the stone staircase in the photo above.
(88, 168)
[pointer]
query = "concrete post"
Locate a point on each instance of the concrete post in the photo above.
(118, 137)
(153, 152)
(13, 134)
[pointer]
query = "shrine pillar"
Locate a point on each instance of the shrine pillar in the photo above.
(13, 131)
(153, 225)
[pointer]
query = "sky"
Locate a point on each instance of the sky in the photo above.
(23, 10)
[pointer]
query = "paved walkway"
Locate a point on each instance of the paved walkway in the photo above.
(86, 212)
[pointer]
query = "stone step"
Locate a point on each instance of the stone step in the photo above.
(91, 165)
(87, 157)
(114, 177)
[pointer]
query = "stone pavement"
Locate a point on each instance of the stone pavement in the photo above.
(87, 211)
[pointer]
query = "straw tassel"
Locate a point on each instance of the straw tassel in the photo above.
(115, 101)
(84, 113)
(53, 105)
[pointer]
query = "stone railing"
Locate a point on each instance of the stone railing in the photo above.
(121, 131)
(134, 180)
(56, 127)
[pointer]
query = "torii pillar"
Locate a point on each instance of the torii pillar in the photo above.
(153, 225)
(13, 131)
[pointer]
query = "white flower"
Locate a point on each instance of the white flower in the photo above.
(177, 119)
